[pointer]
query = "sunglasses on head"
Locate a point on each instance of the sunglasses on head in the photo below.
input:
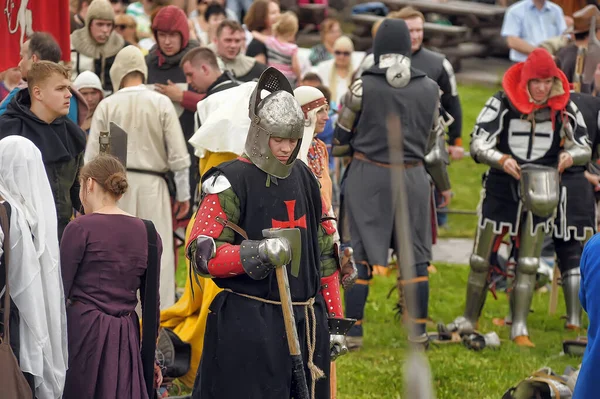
(344, 53)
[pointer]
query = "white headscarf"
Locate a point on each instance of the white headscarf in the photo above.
(224, 121)
(309, 96)
(34, 270)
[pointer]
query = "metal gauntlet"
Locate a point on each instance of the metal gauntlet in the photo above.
(337, 336)
(581, 154)
(260, 257)
(200, 252)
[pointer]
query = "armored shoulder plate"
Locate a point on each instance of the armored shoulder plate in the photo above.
(353, 98)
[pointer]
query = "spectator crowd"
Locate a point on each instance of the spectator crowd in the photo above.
(99, 236)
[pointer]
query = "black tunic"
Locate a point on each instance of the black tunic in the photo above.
(576, 215)
(438, 68)
(245, 353)
(256, 47)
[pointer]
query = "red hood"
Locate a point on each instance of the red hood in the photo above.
(170, 19)
(539, 65)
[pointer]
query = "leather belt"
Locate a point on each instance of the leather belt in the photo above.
(407, 165)
(148, 172)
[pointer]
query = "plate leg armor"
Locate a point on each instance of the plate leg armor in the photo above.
(528, 261)
(571, 280)
(477, 283)
(569, 256)
(356, 298)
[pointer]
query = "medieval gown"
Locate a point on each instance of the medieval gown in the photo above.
(104, 260)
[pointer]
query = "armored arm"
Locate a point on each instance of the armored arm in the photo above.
(575, 137)
(347, 120)
(211, 251)
(330, 288)
(436, 157)
(484, 137)
(330, 278)
(451, 102)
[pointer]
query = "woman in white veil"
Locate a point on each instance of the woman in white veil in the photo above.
(34, 269)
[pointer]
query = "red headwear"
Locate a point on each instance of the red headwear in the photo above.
(171, 19)
(539, 65)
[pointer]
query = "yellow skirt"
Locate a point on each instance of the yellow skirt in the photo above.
(187, 317)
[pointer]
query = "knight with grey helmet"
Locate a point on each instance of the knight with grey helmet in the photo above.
(528, 134)
(390, 87)
(265, 190)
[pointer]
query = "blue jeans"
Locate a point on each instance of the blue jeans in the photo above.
(442, 217)
(239, 7)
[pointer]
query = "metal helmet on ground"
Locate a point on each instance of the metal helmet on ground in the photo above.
(277, 115)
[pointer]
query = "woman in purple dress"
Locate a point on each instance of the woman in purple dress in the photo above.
(104, 257)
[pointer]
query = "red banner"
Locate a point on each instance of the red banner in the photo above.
(20, 18)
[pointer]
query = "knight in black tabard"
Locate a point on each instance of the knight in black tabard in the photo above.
(246, 353)
(527, 134)
(575, 222)
(391, 87)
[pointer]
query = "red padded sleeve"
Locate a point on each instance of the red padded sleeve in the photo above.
(327, 224)
(227, 262)
(330, 289)
(190, 100)
(205, 223)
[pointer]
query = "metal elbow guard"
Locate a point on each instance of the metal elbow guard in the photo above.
(435, 162)
(200, 252)
(485, 152)
(346, 119)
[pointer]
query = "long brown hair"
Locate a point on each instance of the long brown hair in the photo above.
(256, 18)
(108, 172)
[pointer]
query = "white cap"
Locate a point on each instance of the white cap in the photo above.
(306, 95)
(88, 80)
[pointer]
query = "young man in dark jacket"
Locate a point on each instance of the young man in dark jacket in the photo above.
(40, 115)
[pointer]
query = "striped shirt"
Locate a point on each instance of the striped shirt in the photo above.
(136, 10)
(280, 56)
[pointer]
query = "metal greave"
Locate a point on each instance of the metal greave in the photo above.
(530, 249)
(571, 280)
(477, 283)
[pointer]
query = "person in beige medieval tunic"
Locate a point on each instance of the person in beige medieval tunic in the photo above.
(155, 146)
(94, 47)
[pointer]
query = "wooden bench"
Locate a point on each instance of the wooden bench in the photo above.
(455, 42)
(451, 7)
(429, 27)
(436, 35)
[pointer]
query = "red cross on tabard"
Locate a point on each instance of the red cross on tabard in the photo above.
(291, 222)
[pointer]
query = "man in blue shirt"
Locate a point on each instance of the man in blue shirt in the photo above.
(528, 23)
(43, 47)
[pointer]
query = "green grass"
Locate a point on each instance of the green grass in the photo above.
(375, 372)
(465, 174)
